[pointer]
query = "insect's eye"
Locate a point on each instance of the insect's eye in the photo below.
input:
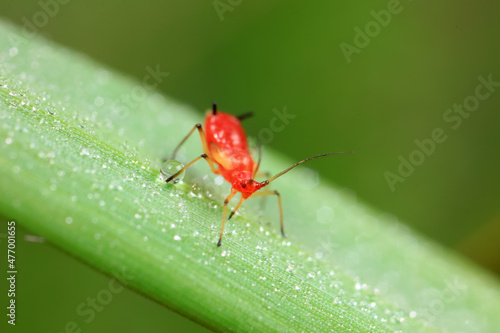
(243, 184)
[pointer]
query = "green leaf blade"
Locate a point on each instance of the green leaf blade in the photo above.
(79, 166)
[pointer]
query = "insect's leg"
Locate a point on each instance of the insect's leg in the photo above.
(257, 166)
(205, 149)
(236, 208)
(266, 175)
(187, 166)
(271, 192)
(203, 145)
(229, 197)
(176, 150)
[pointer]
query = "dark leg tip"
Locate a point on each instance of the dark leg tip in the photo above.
(219, 243)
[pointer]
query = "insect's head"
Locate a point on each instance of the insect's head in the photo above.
(244, 183)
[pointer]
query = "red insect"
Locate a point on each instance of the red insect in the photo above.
(225, 148)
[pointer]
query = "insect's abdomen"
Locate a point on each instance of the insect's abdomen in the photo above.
(227, 141)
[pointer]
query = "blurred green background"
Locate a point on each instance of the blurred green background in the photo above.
(274, 54)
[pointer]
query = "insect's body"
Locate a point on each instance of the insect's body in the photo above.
(225, 148)
(228, 148)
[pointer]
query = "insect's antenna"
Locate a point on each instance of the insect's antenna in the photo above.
(258, 163)
(214, 107)
(307, 159)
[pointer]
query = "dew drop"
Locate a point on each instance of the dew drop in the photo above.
(195, 191)
(169, 168)
(219, 180)
(34, 239)
(99, 101)
(13, 51)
